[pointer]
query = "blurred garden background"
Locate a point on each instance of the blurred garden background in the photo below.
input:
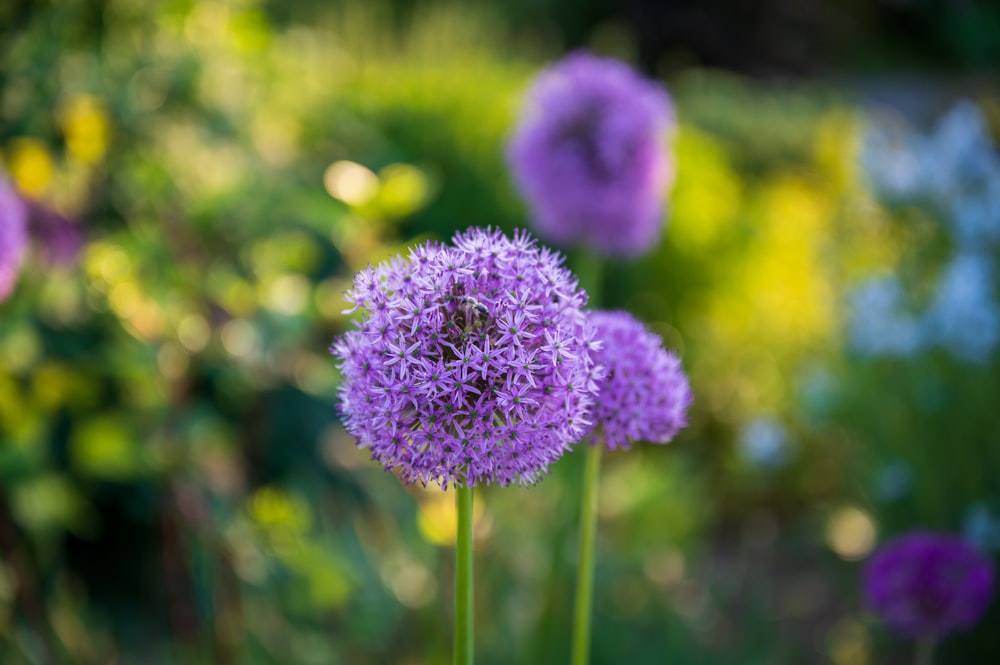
(205, 178)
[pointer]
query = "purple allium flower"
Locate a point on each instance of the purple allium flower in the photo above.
(13, 237)
(644, 395)
(926, 584)
(589, 155)
(471, 363)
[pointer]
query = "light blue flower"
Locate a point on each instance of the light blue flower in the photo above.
(764, 443)
(963, 171)
(955, 169)
(957, 144)
(963, 316)
(893, 158)
(894, 481)
(981, 527)
(880, 325)
(975, 216)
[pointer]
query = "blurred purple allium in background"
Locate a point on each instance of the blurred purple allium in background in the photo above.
(926, 584)
(472, 362)
(590, 157)
(13, 236)
(645, 394)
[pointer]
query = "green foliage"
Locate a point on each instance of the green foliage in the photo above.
(174, 485)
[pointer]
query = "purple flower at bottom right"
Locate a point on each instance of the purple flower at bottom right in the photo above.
(926, 584)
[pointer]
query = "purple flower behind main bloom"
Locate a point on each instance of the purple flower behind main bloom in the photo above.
(644, 395)
(926, 584)
(589, 155)
(13, 236)
(472, 362)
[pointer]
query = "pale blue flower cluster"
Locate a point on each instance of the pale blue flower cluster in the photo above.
(763, 443)
(963, 316)
(894, 481)
(892, 158)
(981, 527)
(954, 172)
(963, 175)
(955, 169)
(881, 323)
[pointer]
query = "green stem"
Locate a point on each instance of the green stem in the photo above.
(463, 577)
(589, 271)
(925, 651)
(585, 571)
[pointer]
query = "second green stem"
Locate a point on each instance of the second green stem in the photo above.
(925, 651)
(585, 571)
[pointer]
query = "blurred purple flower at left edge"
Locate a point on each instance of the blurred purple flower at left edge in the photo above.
(13, 236)
(927, 585)
(644, 395)
(589, 155)
(60, 238)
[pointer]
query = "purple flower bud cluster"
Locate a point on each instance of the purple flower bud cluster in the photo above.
(13, 237)
(644, 395)
(471, 363)
(589, 155)
(926, 584)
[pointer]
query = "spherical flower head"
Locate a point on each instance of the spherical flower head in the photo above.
(927, 584)
(471, 362)
(644, 395)
(13, 237)
(589, 155)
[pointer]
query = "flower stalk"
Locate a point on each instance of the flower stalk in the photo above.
(589, 271)
(585, 570)
(642, 395)
(925, 651)
(463, 577)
